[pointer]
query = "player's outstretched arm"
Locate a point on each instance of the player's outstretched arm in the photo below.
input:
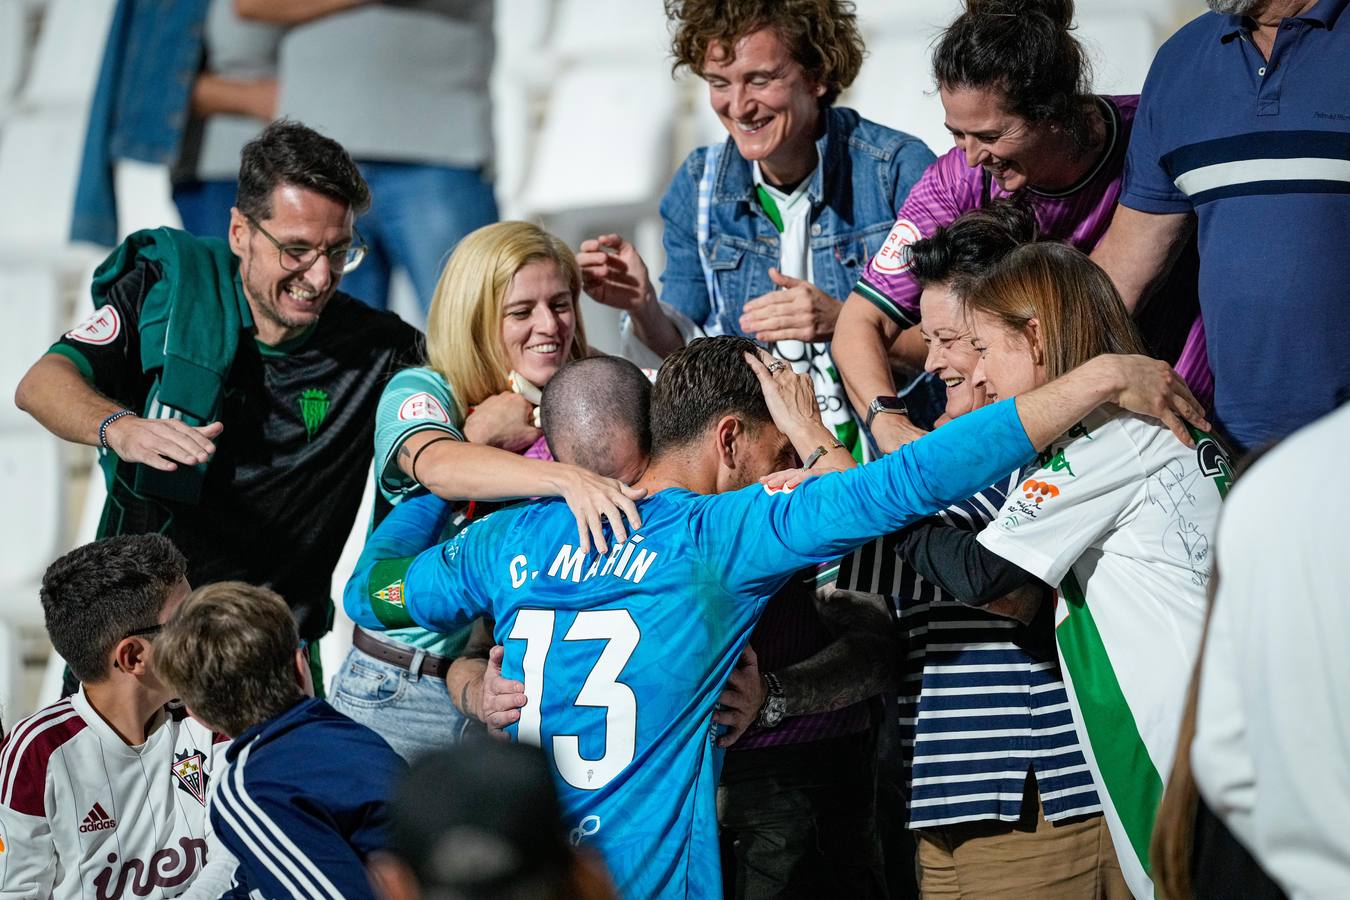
(833, 514)
(409, 530)
(1141, 385)
(399, 582)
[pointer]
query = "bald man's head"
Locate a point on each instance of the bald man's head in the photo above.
(594, 414)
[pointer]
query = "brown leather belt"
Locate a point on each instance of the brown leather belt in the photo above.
(400, 655)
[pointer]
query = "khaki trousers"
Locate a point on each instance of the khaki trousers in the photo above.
(1030, 858)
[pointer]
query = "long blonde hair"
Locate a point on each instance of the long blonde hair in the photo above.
(1080, 313)
(464, 323)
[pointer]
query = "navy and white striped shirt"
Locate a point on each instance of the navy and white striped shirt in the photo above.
(981, 701)
(303, 802)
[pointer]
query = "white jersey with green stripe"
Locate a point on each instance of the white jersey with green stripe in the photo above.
(791, 215)
(1120, 515)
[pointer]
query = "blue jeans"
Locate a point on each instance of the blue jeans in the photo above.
(204, 206)
(413, 713)
(417, 215)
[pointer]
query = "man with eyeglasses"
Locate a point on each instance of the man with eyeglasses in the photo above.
(230, 387)
(105, 793)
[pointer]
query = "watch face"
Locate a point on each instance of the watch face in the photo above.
(888, 404)
(772, 713)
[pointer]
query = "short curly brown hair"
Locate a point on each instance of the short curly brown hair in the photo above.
(822, 35)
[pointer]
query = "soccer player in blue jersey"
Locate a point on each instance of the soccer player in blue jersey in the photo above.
(623, 654)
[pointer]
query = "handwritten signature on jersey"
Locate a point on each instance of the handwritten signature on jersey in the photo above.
(1170, 489)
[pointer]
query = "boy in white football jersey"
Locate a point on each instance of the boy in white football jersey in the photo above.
(104, 793)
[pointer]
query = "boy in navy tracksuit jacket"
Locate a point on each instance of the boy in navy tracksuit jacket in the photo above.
(304, 798)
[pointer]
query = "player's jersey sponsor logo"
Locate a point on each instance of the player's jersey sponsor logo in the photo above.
(168, 867)
(1039, 492)
(422, 407)
(192, 778)
(313, 410)
(1019, 510)
(587, 827)
(893, 257)
(100, 327)
(97, 819)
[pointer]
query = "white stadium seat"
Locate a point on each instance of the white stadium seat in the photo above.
(605, 141)
(14, 50)
(39, 165)
(1121, 48)
(32, 477)
(895, 88)
(604, 30)
(30, 319)
(68, 54)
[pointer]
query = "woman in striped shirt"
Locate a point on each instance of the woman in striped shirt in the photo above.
(997, 789)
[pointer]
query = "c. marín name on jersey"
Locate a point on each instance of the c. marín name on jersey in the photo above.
(627, 561)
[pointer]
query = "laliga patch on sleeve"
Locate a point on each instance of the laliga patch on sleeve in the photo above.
(893, 257)
(100, 327)
(424, 407)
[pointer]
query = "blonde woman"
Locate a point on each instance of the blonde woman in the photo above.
(503, 320)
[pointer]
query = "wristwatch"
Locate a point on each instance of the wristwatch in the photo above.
(888, 405)
(775, 702)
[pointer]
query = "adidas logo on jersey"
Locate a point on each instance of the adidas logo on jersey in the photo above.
(97, 820)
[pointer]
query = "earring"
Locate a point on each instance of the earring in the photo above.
(116, 664)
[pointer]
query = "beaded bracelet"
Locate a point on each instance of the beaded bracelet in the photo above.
(103, 428)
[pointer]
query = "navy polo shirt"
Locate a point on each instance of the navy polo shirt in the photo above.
(1260, 151)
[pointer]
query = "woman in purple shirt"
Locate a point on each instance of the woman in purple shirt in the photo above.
(1014, 87)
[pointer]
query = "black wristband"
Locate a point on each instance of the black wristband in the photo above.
(421, 450)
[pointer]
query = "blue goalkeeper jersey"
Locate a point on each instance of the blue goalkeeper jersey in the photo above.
(623, 655)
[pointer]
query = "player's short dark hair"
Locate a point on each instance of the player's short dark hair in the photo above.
(706, 379)
(973, 242)
(589, 405)
(1023, 50)
(230, 654)
(821, 35)
(288, 152)
(95, 595)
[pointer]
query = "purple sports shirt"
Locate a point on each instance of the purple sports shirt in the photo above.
(1078, 215)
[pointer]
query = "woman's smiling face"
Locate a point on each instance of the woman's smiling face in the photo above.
(539, 320)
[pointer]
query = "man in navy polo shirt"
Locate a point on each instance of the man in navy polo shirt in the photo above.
(1245, 123)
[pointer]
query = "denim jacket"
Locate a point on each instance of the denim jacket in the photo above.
(867, 171)
(140, 105)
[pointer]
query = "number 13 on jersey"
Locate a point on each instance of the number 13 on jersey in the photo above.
(602, 689)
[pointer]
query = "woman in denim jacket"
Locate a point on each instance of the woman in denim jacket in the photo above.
(766, 233)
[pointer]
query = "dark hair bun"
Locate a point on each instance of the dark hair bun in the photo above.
(1022, 50)
(1059, 12)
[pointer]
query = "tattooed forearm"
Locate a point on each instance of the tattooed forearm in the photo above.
(861, 662)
